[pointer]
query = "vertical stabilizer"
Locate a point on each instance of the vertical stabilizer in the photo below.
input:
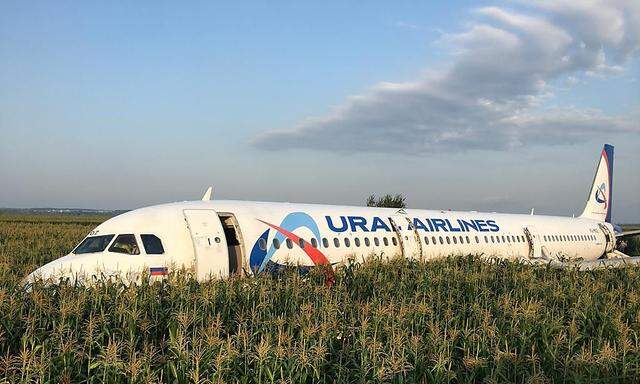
(599, 201)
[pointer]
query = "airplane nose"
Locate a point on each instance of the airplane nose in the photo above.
(69, 266)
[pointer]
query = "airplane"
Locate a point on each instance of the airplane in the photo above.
(219, 239)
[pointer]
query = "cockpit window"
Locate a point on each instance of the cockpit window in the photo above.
(93, 244)
(125, 244)
(153, 245)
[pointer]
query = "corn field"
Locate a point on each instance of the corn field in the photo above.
(456, 320)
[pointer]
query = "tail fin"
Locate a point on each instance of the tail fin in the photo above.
(600, 198)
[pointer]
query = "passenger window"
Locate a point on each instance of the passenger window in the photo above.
(347, 242)
(276, 243)
(262, 243)
(289, 244)
(336, 242)
(448, 240)
(314, 242)
(376, 241)
(394, 241)
(468, 241)
(367, 242)
(385, 241)
(356, 241)
(493, 240)
(325, 242)
(455, 241)
(486, 239)
(477, 240)
(301, 243)
(426, 240)
(125, 244)
(441, 240)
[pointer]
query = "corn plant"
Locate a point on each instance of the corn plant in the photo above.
(459, 319)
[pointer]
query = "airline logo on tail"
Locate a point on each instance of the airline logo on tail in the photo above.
(600, 197)
(601, 194)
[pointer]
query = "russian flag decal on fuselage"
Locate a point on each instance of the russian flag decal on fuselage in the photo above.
(159, 271)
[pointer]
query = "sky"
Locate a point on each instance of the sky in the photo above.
(494, 106)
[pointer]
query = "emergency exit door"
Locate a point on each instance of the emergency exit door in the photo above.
(209, 243)
(535, 243)
(408, 236)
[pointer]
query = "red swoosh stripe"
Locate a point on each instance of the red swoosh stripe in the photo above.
(316, 256)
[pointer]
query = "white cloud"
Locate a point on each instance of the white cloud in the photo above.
(489, 97)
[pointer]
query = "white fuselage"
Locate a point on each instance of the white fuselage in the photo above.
(219, 238)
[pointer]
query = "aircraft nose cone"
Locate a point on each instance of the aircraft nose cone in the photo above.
(65, 267)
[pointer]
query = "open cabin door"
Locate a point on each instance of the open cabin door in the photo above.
(209, 243)
(407, 235)
(535, 244)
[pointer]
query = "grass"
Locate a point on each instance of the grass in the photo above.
(453, 320)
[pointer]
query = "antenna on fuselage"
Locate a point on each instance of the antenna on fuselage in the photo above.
(207, 194)
(532, 210)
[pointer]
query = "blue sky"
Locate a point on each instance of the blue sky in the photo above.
(464, 105)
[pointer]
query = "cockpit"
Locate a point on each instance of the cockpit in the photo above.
(124, 243)
(147, 240)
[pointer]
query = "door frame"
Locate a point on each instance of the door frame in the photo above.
(417, 251)
(243, 251)
(535, 243)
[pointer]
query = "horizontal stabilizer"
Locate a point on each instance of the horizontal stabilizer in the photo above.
(633, 233)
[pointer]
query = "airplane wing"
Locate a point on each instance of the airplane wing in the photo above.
(622, 235)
